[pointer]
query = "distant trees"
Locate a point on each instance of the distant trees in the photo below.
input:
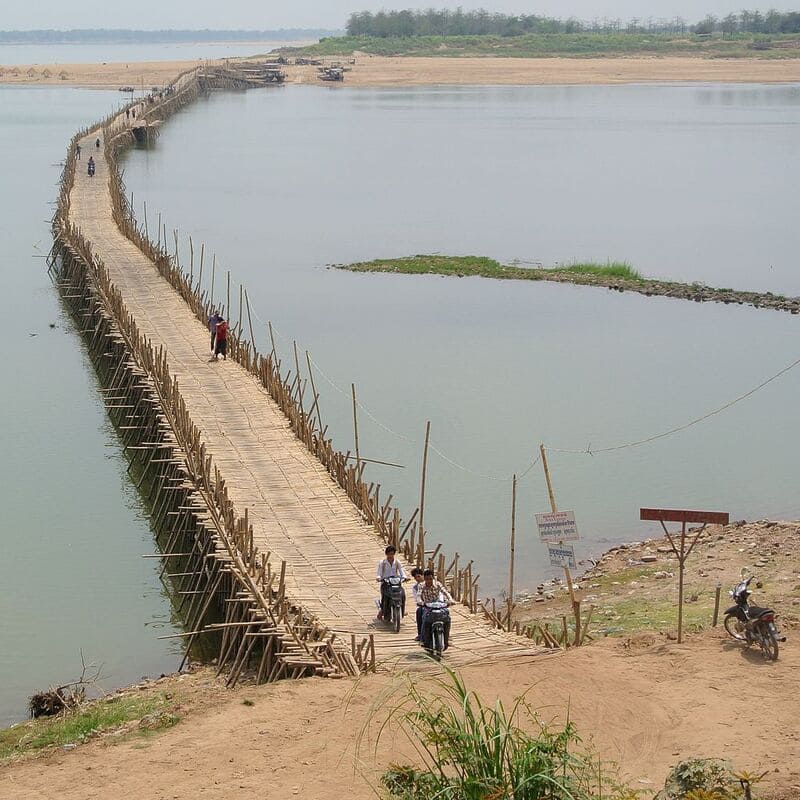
(457, 22)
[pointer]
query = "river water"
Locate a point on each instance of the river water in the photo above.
(689, 182)
(73, 528)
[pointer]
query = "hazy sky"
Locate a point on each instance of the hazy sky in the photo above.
(258, 14)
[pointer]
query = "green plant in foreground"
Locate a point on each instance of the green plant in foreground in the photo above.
(473, 751)
(78, 726)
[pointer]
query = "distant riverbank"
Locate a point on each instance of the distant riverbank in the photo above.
(372, 70)
(618, 276)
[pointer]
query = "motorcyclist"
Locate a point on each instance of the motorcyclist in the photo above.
(432, 591)
(417, 575)
(390, 567)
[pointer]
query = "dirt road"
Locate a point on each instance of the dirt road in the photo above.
(644, 702)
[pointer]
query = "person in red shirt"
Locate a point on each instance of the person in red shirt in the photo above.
(221, 340)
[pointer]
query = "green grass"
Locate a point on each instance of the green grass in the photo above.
(77, 727)
(573, 45)
(611, 269)
(463, 266)
(469, 750)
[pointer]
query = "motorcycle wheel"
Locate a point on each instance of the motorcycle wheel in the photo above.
(396, 620)
(769, 646)
(734, 628)
(438, 643)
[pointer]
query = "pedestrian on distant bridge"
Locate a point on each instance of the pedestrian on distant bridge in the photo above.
(78, 152)
(212, 326)
(221, 340)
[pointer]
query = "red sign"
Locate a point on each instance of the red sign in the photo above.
(676, 515)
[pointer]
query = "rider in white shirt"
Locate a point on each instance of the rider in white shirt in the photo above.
(390, 567)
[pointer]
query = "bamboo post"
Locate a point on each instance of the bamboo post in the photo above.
(159, 229)
(355, 430)
(274, 350)
(716, 606)
(422, 495)
(191, 262)
(213, 278)
(200, 277)
(316, 396)
(239, 321)
(513, 542)
(250, 320)
(228, 303)
(144, 203)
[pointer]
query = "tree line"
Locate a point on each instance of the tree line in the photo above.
(435, 22)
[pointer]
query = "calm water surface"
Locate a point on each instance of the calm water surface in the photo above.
(73, 529)
(688, 182)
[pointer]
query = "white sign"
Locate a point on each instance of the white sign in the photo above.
(558, 526)
(562, 555)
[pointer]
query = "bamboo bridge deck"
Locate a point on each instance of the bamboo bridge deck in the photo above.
(298, 513)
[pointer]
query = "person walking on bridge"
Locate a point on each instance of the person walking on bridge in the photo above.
(390, 567)
(212, 326)
(78, 152)
(221, 340)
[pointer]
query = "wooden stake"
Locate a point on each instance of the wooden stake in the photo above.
(228, 304)
(250, 320)
(200, 278)
(716, 606)
(144, 203)
(422, 495)
(355, 430)
(239, 321)
(513, 541)
(213, 278)
(191, 262)
(553, 507)
(314, 390)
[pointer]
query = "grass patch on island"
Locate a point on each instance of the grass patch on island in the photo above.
(464, 266)
(99, 716)
(611, 269)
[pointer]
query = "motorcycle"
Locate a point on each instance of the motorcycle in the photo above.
(395, 595)
(436, 628)
(752, 624)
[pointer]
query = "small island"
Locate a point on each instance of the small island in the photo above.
(614, 275)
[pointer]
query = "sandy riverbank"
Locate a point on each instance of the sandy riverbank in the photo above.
(404, 71)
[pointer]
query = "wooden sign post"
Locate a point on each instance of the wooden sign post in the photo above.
(663, 515)
(576, 603)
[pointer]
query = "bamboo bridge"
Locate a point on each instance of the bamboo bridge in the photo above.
(270, 536)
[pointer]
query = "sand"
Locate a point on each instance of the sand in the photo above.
(403, 71)
(644, 702)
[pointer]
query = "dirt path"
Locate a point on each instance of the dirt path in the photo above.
(644, 704)
(409, 71)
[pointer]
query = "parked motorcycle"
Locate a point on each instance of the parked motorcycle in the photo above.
(752, 624)
(436, 628)
(395, 594)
